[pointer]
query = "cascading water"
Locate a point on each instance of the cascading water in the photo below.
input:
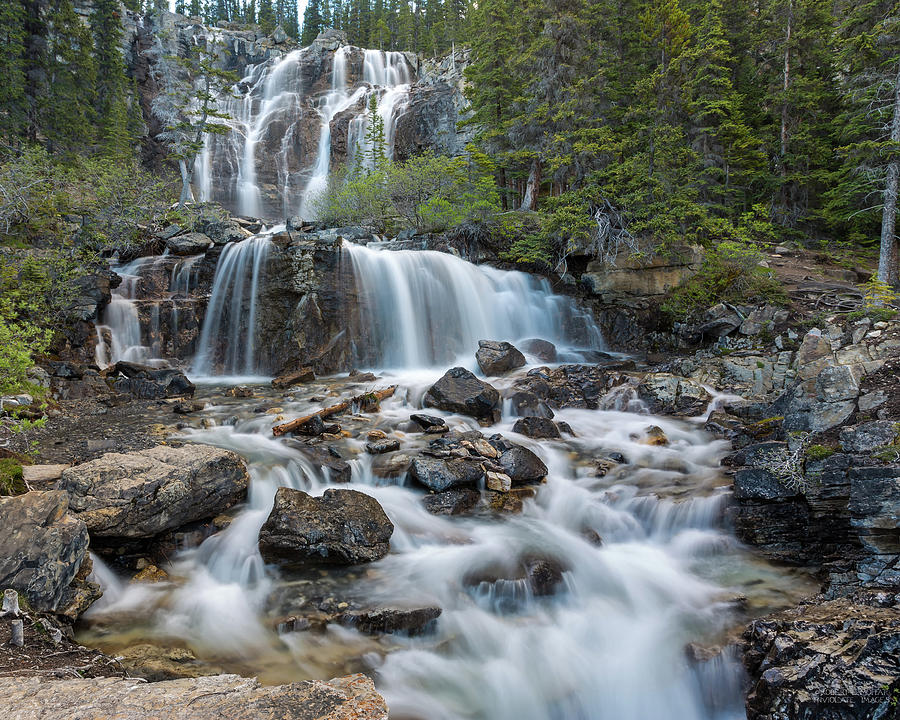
(424, 308)
(228, 340)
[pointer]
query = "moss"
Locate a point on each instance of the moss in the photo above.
(888, 454)
(11, 480)
(760, 364)
(819, 452)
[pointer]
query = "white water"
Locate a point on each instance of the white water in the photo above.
(228, 339)
(428, 309)
(121, 321)
(267, 112)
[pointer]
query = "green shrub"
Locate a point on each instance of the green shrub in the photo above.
(819, 452)
(11, 479)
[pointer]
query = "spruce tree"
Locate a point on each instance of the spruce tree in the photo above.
(13, 106)
(112, 84)
(312, 20)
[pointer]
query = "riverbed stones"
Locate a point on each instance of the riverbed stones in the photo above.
(342, 527)
(439, 474)
(215, 696)
(543, 350)
(145, 493)
(380, 447)
(459, 391)
(452, 502)
(42, 547)
(537, 427)
(411, 621)
(148, 383)
(296, 377)
(522, 465)
(667, 394)
(426, 422)
(498, 358)
(498, 482)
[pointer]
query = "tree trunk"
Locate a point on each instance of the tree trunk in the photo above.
(186, 177)
(366, 402)
(887, 261)
(786, 84)
(533, 186)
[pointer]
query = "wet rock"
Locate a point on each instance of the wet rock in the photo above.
(343, 527)
(485, 449)
(186, 408)
(145, 493)
(654, 435)
(216, 696)
(427, 421)
(239, 391)
(522, 465)
(543, 350)
(148, 383)
(667, 394)
(461, 392)
(193, 243)
(498, 482)
(336, 469)
(155, 663)
(383, 446)
(412, 621)
(498, 358)
(440, 474)
(527, 404)
(869, 436)
(536, 427)
(42, 547)
(390, 466)
(837, 660)
(873, 505)
(544, 576)
(452, 502)
(509, 503)
(579, 386)
(297, 377)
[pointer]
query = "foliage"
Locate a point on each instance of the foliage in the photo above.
(819, 452)
(427, 193)
(877, 294)
(11, 480)
(730, 273)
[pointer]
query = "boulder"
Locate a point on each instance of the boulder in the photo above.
(452, 502)
(42, 547)
(329, 460)
(427, 421)
(498, 358)
(303, 375)
(192, 243)
(145, 493)
(522, 465)
(383, 446)
(459, 391)
(342, 527)
(527, 404)
(412, 621)
(148, 383)
(667, 394)
(536, 427)
(869, 436)
(439, 474)
(543, 350)
(215, 696)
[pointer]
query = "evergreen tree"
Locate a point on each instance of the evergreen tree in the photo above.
(376, 155)
(312, 20)
(112, 99)
(68, 120)
(13, 106)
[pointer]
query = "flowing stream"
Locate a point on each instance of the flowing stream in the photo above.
(649, 564)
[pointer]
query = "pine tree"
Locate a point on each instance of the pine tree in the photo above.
(112, 99)
(69, 112)
(376, 155)
(13, 107)
(312, 21)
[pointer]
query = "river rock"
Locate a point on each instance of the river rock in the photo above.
(148, 383)
(522, 465)
(42, 547)
(439, 474)
(461, 392)
(498, 358)
(412, 621)
(452, 502)
(297, 377)
(427, 421)
(543, 350)
(145, 493)
(342, 527)
(537, 427)
(192, 243)
(527, 404)
(667, 394)
(383, 446)
(498, 482)
(215, 696)
(328, 459)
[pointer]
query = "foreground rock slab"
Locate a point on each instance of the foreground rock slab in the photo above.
(42, 547)
(219, 696)
(343, 527)
(145, 493)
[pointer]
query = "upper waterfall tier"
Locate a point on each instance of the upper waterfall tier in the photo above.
(296, 117)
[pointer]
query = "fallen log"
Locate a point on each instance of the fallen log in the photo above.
(365, 402)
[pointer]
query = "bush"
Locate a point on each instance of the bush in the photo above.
(730, 273)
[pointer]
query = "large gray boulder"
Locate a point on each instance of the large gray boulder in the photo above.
(498, 358)
(42, 547)
(667, 394)
(461, 392)
(522, 465)
(343, 527)
(145, 493)
(148, 383)
(216, 696)
(192, 243)
(440, 474)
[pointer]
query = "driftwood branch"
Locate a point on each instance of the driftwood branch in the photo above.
(365, 402)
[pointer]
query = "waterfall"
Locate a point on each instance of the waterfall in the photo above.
(119, 334)
(228, 338)
(264, 166)
(421, 308)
